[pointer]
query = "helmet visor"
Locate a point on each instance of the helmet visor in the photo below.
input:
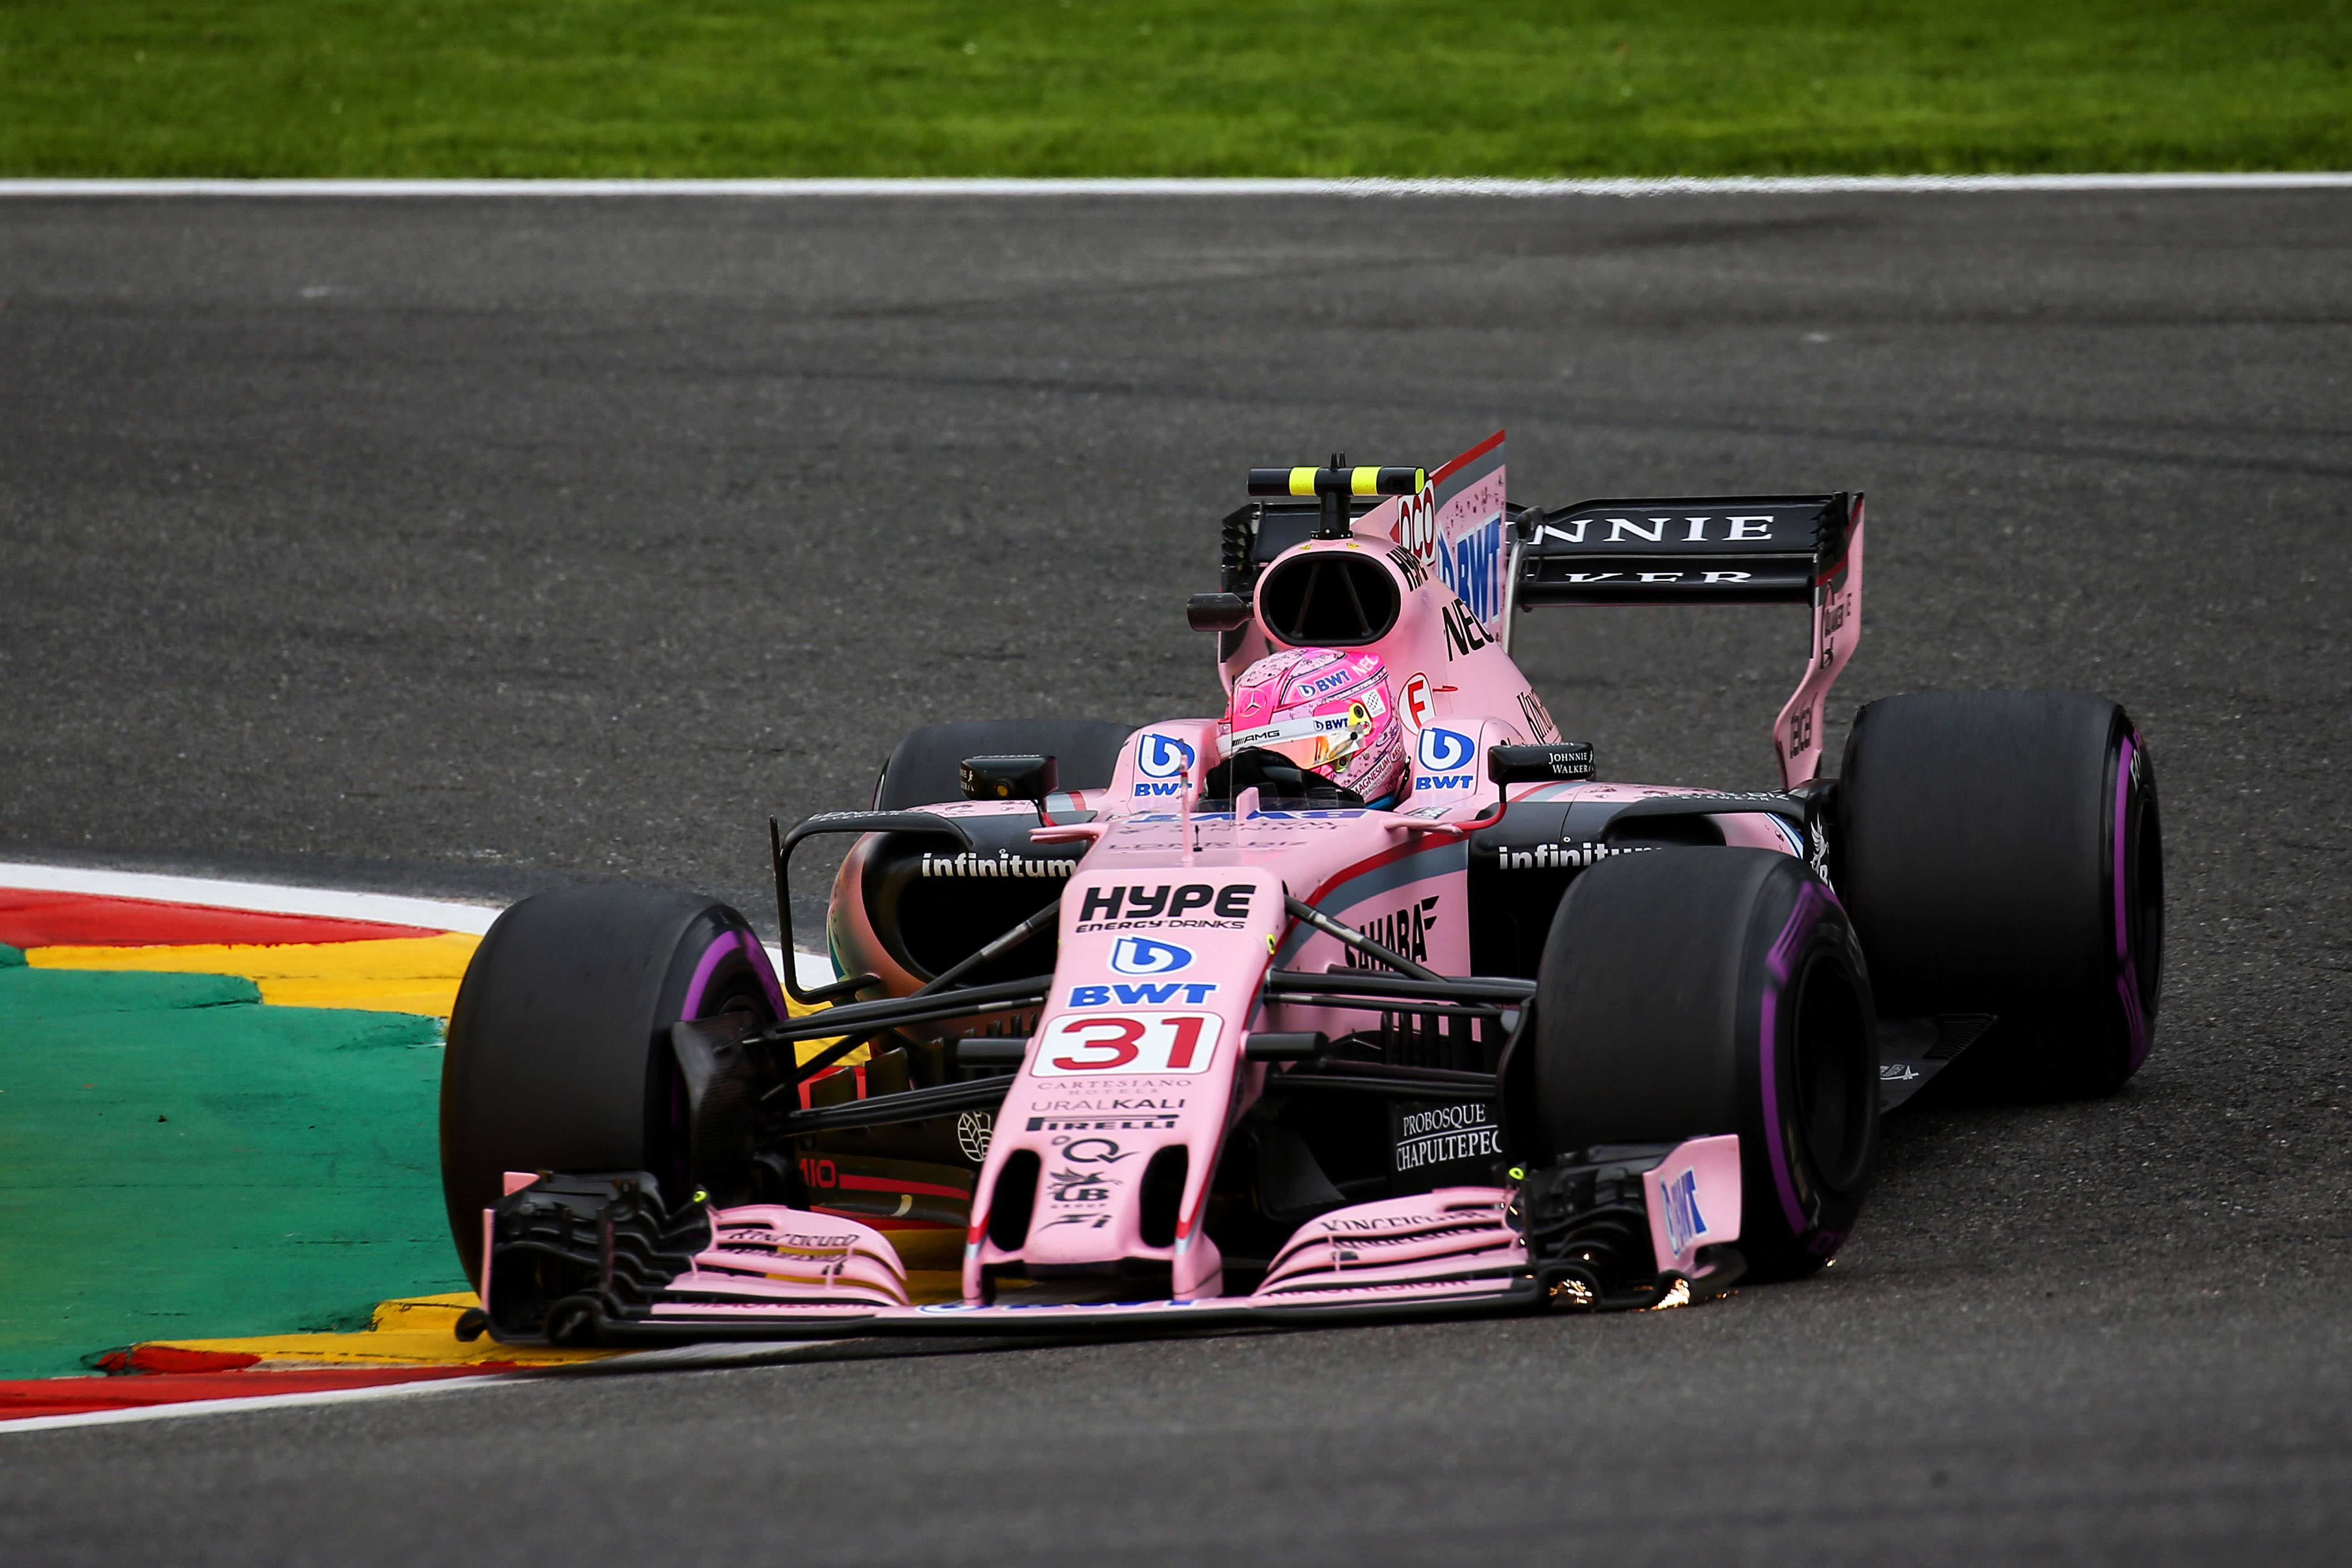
(1318, 741)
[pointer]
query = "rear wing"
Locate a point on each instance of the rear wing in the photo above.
(1713, 549)
(1717, 550)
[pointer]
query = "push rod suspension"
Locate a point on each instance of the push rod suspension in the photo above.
(1302, 911)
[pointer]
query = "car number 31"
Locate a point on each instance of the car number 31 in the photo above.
(1080, 1042)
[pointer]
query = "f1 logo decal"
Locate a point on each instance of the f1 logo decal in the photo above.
(1417, 703)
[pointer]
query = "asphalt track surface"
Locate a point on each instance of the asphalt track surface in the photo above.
(476, 547)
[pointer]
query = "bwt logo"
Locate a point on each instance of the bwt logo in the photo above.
(1445, 751)
(1471, 566)
(1163, 756)
(1142, 955)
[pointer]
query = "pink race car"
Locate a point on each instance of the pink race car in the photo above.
(1363, 998)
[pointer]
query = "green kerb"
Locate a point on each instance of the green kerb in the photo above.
(182, 1162)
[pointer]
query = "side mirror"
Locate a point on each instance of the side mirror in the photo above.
(1565, 761)
(1029, 777)
(1217, 612)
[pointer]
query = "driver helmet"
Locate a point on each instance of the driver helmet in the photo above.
(1326, 711)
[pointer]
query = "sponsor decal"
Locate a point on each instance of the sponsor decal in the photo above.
(1562, 857)
(1164, 762)
(1137, 1123)
(1092, 1151)
(1800, 729)
(1142, 955)
(1003, 863)
(1464, 636)
(1409, 566)
(1472, 565)
(1445, 751)
(1662, 531)
(1835, 615)
(1080, 1186)
(1158, 756)
(973, 1129)
(1684, 1223)
(1416, 528)
(1404, 932)
(1079, 1044)
(1354, 1228)
(1133, 907)
(1113, 1103)
(1538, 718)
(1705, 579)
(1446, 1134)
(1143, 993)
(1416, 701)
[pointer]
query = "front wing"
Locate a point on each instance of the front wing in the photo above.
(598, 1259)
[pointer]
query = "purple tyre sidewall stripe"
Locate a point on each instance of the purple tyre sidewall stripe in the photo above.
(1783, 955)
(715, 954)
(2119, 853)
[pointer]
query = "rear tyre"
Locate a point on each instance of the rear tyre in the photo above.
(923, 769)
(1686, 993)
(2000, 853)
(559, 1055)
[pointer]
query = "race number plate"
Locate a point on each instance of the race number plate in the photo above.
(1077, 1044)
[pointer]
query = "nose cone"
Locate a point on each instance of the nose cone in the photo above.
(1107, 1139)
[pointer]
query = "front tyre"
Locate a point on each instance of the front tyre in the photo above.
(559, 1055)
(1685, 992)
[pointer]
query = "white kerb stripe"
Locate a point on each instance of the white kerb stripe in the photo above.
(255, 1402)
(258, 897)
(272, 898)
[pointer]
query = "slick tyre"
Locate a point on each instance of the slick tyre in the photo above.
(1686, 993)
(2000, 853)
(559, 1055)
(923, 769)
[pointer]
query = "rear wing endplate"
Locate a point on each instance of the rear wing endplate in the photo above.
(1713, 550)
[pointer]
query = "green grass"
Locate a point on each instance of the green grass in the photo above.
(1181, 87)
(183, 1163)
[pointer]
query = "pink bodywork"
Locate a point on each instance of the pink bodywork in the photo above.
(1167, 927)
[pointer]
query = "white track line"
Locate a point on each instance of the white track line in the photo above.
(1796, 185)
(252, 1402)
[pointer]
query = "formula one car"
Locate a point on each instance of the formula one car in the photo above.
(1361, 999)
